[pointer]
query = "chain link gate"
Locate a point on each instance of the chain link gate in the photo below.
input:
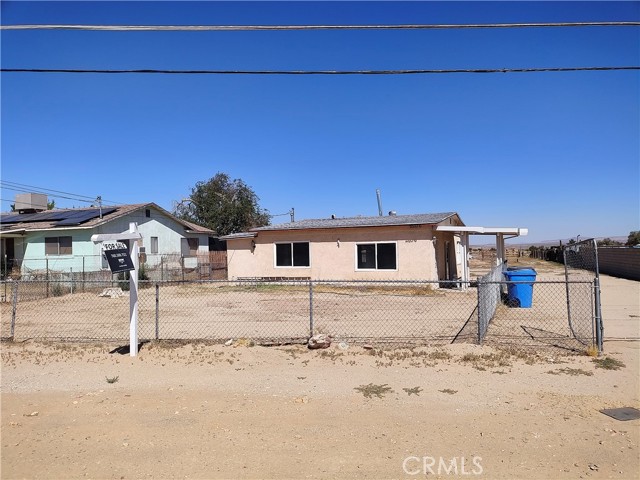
(581, 262)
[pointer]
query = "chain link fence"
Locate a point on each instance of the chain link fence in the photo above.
(85, 268)
(377, 313)
(489, 297)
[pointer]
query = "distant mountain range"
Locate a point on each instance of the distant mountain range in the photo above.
(520, 242)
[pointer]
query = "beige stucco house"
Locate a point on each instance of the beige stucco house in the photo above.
(394, 247)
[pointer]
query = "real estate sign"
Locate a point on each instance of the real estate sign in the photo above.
(118, 257)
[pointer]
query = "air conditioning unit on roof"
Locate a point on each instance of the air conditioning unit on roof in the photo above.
(30, 202)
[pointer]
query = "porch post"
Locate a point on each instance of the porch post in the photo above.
(465, 260)
(500, 249)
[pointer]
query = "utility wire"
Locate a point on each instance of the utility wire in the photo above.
(52, 195)
(31, 188)
(318, 72)
(20, 187)
(16, 184)
(201, 28)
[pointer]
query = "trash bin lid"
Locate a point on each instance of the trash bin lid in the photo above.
(520, 272)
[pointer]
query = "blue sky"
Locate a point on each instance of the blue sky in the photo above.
(558, 153)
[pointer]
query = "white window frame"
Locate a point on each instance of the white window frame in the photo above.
(275, 254)
(355, 257)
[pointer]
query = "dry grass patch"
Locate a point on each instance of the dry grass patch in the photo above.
(608, 363)
(570, 371)
(413, 391)
(449, 391)
(500, 358)
(372, 390)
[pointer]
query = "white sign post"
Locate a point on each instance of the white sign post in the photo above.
(132, 234)
(133, 294)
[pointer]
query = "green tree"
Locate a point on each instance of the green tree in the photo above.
(607, 242)
(223, 205)
(634, 238)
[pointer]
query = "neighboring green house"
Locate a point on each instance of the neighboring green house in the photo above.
(59, 240)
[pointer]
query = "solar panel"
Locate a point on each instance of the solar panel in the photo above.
(48, 216)
(10, 218)
(62, 217)
(33, 217)
(83, 216)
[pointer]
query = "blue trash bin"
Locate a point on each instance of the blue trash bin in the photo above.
(520, 295)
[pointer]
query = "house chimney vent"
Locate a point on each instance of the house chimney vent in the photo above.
(392, 213)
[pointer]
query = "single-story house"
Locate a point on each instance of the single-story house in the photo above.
(393, 247)
(60, 239)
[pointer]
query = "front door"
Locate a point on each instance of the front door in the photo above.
(8, 255)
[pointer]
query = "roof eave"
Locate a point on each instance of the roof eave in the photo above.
(239, 236)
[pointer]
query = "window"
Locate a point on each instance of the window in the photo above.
(58, 246)
(292, 254)
(376, 256)
(147, 213)
(154, 244)
(189, 247)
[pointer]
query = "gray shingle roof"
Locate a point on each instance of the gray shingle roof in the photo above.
(350, 222)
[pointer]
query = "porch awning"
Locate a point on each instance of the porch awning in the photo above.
(16, 232)
(517, 231)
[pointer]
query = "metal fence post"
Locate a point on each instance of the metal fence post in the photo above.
(157, 311)
(310, 308)
(479, 288)
(566, 283)
(598, 311)
(47, 263)
(14, 306)
(599, 324)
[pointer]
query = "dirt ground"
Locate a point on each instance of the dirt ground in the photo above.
(242, 411)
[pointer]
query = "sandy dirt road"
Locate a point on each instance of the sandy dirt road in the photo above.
(210, 411)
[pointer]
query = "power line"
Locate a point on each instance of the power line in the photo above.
(16, 184)
(318, 72)
(202, 28)
(20, 187)
(49, 195)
